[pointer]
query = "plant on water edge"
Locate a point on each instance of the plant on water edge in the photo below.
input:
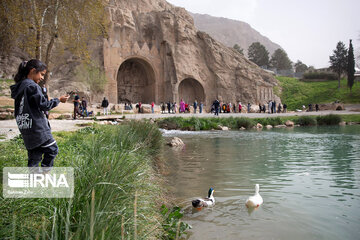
(269, 121)
(306, 121)
(245, 123)
(113, 162)
(173, 227)
(330, 119)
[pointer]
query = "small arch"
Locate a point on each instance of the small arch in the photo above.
(136, 81)
(191, 89)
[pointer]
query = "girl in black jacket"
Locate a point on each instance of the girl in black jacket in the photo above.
(30, 105)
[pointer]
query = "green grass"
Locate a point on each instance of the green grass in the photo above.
(296, 93)
(115, 180)
(197, 124)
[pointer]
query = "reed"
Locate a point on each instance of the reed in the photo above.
(135, 216)
(109, 163)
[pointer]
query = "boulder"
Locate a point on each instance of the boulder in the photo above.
(269, 126)
(176, 142)
(289, 123)
(342, 123)
(225, 128)
(259, 125)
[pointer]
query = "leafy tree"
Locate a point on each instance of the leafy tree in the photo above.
(311, 68)
(280, 60)
(350, 66)
(300, 67)
(338, 61)
(239, 49)
(258, 54)
(92, 75)
(37, 25)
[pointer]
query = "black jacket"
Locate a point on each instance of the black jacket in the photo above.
(105, 103)
(30, 105)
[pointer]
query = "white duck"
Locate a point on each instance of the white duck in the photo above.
(206, 202)
(256, 200)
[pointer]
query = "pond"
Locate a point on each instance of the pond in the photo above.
(309, 179)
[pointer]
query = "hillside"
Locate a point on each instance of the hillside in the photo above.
(296, 93)
(231, 32)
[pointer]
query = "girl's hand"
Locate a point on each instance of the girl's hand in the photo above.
(64, 98)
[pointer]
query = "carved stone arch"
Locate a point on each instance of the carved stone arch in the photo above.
(136, 81)
(190, 89)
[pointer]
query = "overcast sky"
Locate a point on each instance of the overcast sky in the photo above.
(308, 30)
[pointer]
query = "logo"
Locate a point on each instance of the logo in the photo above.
(34, 183)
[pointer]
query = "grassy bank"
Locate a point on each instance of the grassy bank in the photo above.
(296, 93)
(117, 191)
(197, 124)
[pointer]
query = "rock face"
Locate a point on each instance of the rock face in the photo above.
(231, 32)
(155, 53)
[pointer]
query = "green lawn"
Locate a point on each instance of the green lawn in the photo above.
(296, 93)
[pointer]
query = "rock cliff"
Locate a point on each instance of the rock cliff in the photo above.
(231, 32)
(155, 53)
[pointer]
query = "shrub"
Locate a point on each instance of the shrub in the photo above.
(245, 122)
(306, 121)
(320, 75)
(330, 119)
(270, 121)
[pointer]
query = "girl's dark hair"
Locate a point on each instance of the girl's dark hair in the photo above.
(26, 66)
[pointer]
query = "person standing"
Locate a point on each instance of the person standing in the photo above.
(317, 107)
(162, 107)
(140, 107)
(84, 107)
(201, 107)
(175, 107)
(217, 107)
(152, 107)
(104, 105)
(30, 104)
(195, 105)
(270, 107)
(248, 107)
(284, 107)
(169, 106)
(76, 105)
(240, 107)
(274, 106)
(182, 106)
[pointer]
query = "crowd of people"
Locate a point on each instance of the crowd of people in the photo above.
(217, 107)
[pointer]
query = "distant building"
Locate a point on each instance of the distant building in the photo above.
(357, 75)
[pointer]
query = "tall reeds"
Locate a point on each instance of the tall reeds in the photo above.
(110, 163)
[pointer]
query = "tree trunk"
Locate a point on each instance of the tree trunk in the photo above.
(47, 59)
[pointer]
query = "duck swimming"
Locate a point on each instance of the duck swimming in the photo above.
(256, 200)
(206, 202)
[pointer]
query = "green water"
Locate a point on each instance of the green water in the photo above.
(309, 179)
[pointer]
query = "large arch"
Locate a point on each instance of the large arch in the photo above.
(136, 81)
(191, 89)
